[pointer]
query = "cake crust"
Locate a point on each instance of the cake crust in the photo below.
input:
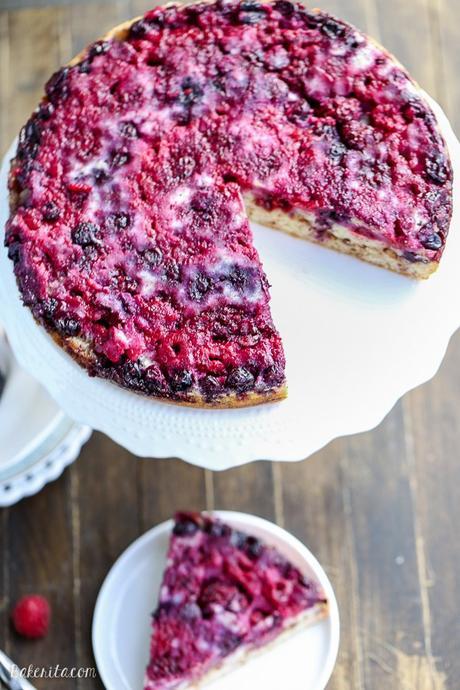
(293, 220)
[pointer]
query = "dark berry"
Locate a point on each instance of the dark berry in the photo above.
(98, 48)
(14, 251)
(153, 256)
(240, 378)
(190, 611)
(181, 380)
(185, 528)
(138, 29)
(85, 234)
(100, 175)
(250, 13)
(120, 158)
(411, 256)
(437, 168)
(57, 87)
(217, 529)
(68, 327)
(51, 211)
(172, 271)
(191, 92)
(253, 547)
(48, 307)
(132, 375)
(119, 220)
(210, 385)
(45, 111)
(238, 539)
(243, 278)
(128, 130)
(284, 7)
(337, 152)
(433, 241)
(199, 286)
(84, 67)
(332, 29)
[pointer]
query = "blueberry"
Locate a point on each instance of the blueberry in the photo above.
(238, 539)
(45, 111)
(433, 241)
(84, 67)
(250, 13)
(128, 129)
(100, 175)
(216, 529)
(241, 379)
(48, 307)
(85, 234)
(210, 385)
(181, 380)
(204, 205)
(284, 7)
(199, 286)
(229, 641)
(138, 29)
(57, 87)
(253, 547)
(51, 211)
(153, 256)
(411, 256)
(191, 92)
(332, 28)
(185, 528)
(68, 327)
(14, 251)
(437, 168)
(172, 271)
(190, 611)
(337, 152)
(98, 48)
(132, 375)
(120, 158)
(242, 278)
(119, 220)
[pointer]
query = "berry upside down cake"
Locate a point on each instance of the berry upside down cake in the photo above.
(133, 179)
(224, 597)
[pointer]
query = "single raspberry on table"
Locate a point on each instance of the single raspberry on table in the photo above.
(31, 616)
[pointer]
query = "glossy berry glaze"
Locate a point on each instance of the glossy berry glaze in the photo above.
(128, 231)
(223, 592)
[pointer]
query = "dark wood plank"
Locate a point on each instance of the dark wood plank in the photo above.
(169, 485)
(433, 431)
(247, 489)
(40, 561)
(106, 520)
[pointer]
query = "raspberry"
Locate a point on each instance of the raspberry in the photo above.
(31, 616)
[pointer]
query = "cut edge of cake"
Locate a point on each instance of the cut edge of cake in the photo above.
(342, 239)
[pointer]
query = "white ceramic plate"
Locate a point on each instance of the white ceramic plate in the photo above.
(122, 621)
(356, 339)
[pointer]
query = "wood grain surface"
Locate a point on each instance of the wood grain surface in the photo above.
(380, 510)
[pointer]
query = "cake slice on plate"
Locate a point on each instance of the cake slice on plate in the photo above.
(225, 596)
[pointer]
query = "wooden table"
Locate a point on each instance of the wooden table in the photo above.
(380, 510)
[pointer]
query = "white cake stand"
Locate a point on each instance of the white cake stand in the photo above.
(356, 339)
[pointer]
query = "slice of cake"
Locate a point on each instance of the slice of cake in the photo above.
(225, 596)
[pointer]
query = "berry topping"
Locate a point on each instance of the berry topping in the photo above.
(31, 616)
(126, 190)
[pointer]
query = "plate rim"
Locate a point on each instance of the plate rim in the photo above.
(246, 519)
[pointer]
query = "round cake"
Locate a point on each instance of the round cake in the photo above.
(134, 179)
